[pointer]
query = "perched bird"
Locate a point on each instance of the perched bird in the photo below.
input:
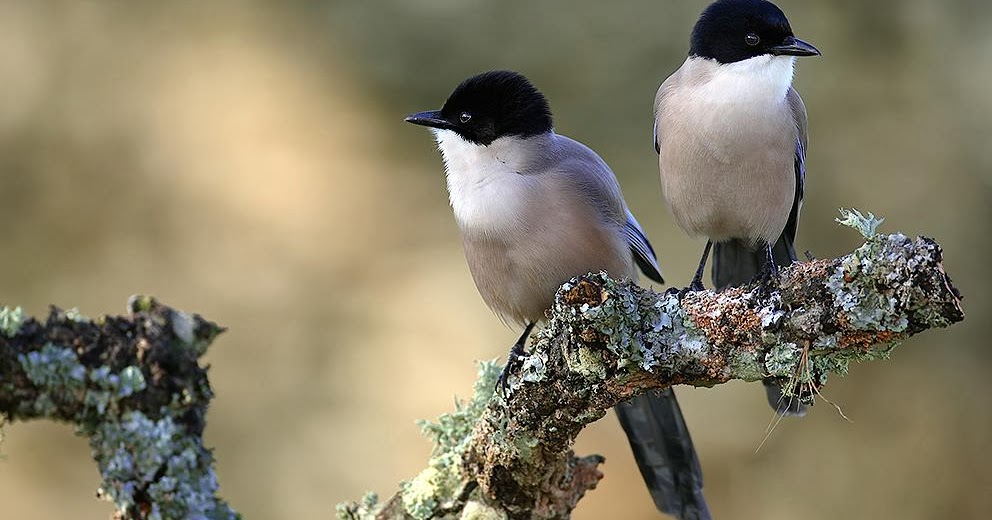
(535, 209)
(730, 132)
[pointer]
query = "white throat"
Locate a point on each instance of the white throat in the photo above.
(487, 186)
(754, 82)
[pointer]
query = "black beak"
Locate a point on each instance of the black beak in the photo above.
(793, 46)
(431, 118)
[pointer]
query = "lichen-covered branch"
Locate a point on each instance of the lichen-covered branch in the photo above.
(607, 340)
(133, 386)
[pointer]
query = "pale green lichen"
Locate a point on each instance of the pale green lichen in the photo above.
(617, 320)
(782, 359)
(638, 327)
(57, 373)
(75, 315)
(420, 494)
(366, 509)
(451, 434)
(866, 225)
(158, 460)
(61, 378)
(863, 284)
(478, 511)
(140, 303)
(11, 320)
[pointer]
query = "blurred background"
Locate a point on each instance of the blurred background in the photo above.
(249, 161)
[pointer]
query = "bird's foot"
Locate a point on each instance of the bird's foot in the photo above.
(513, 363)
(695, 286)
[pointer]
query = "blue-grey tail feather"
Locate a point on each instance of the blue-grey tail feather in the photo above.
(664, 453)
(736, 263)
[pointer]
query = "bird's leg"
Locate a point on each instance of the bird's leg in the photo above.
(516, 354)
(770, 259)
(697, 281)
(768, 275)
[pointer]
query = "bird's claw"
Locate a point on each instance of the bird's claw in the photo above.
(513, 362)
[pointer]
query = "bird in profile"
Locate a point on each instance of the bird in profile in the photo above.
(730, 132)
(534, 209)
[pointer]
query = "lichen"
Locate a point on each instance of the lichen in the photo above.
(57, 374)
(75, 315)
(61, 378)
(782, 360)
(155, 464)
(420, 494)
(866, 225)
(451, 433)
(478, 511)
(534, 367)
(637, 327)
(617, 321)
(863, 286)
(11, 320)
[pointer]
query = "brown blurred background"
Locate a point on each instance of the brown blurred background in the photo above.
(249, 161)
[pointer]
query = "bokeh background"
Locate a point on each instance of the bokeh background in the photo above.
(248, 161)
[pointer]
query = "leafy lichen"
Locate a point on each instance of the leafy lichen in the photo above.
(637, 327)
(862, 285)
(865, 224)
(57, 373)
(11, 320)
(479, 511)
(439, 483)
(153, 463)
(362, 510)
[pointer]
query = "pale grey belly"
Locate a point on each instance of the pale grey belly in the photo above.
(518, 278)
(748, 198)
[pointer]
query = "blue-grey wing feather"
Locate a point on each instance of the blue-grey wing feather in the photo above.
(643, 253)
(799, 116)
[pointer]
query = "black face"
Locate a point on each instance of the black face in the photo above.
(729, 31)
(491, 105)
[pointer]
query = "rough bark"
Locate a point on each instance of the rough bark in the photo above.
(606, 341)
(134, 387)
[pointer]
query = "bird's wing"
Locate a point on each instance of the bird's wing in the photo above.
(644, 254)
(654, 133)
(660, 99)
(799, 116)
(600, 185)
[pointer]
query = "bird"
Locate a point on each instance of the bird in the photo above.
(534, 209)
(731, 136)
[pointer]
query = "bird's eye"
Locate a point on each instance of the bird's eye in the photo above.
(465, 117)
(752, 39)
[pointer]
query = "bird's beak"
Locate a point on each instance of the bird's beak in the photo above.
(431, 118)
(793, 46)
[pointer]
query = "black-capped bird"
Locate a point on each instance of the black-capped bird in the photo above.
(730, 132)
(535, 209)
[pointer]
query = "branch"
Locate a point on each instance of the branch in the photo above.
(607, 341)
(130, 384)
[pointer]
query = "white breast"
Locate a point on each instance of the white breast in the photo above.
(727, 137)
(739, 102)
(485, 188)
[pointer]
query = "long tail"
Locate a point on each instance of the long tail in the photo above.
(664, 453)
(737, 263)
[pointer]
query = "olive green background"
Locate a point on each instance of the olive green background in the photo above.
(249, 161)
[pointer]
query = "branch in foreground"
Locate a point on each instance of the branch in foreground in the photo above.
(133, 386)
(607, 341)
